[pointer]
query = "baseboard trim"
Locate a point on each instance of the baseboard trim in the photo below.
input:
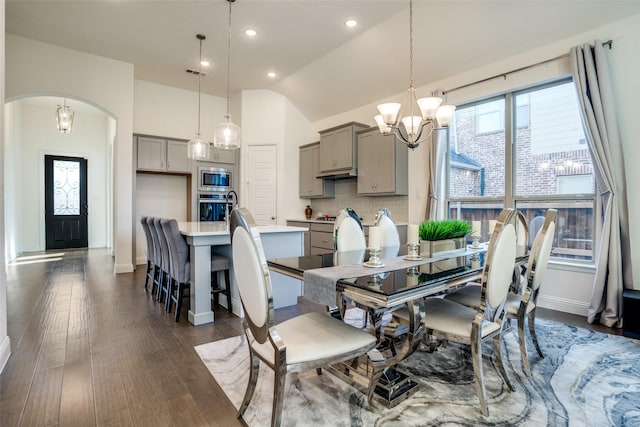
(565, 305)
(141, 260)
(5, 352)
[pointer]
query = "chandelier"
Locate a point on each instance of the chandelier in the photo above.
(64, 118)
(198, 148)
(410, 129)
(227, 135)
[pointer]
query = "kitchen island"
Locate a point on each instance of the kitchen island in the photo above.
(204, 238)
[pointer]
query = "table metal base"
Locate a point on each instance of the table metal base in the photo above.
(394, 387)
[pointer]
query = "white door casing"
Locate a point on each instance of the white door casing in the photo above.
(261, 183)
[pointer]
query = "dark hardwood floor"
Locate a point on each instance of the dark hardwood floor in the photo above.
(92, 348)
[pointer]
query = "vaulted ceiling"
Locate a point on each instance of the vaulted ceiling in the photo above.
(324, 67)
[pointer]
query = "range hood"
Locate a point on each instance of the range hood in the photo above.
(343, 174)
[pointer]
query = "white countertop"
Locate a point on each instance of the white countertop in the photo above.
(219, 228)
(365, 223)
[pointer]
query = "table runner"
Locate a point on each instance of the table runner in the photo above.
(320, 283)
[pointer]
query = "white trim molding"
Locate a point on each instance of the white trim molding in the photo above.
(562, 304)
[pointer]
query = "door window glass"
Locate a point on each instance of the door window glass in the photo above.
(66, 187)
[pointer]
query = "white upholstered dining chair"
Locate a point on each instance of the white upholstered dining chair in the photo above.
(308, 341)
(348, 238)
(389, 238)
(451, 321)
(522, 305)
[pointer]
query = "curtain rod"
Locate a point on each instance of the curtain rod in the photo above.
(608, 43)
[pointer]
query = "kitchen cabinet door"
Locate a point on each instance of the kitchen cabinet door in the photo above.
(382, 164)
(223, 156)
(310, 186)
(151, 153)
(338, 148)
(177, 160)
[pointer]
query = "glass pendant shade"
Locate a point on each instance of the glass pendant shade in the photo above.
(429, 106)
(64, 119)
(412, 124)
(198, 148)
(384, 128)
(227, 135)
(389, 112)
(445, 115)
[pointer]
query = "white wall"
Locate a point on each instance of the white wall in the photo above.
(170, 112)
(270, 119)
(39, 136)
(170, 202)
(36, 68)
(12, 210)
(5, 345)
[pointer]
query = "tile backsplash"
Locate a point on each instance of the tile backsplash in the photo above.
(366, 207)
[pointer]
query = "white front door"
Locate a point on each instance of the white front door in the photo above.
(261, 185)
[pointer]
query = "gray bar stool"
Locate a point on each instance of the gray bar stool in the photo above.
(219, 264)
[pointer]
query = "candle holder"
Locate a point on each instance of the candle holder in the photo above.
(374, 260)
(412, 254)
(475, 241)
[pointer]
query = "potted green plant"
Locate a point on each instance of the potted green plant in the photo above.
(442, 235)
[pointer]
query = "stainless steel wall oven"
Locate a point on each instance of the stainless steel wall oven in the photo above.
(213, 206)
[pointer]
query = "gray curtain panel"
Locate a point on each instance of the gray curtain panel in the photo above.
(436, 151)
(590, 70)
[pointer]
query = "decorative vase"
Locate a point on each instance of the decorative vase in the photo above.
(308, 211)
(436, 248)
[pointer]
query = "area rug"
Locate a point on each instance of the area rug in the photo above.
(587, 378)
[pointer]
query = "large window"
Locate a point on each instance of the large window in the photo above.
(525, 149)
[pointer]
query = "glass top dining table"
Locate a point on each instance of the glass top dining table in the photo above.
(407, 281)
(403, 285)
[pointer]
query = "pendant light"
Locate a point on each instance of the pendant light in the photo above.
(227, 135)
(410, 129)
(198, 148)
(64, 118)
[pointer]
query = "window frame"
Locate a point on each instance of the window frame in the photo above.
(510, 199)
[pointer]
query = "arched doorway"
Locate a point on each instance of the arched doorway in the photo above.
(31, 134)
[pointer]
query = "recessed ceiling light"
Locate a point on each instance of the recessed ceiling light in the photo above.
(351, 23)
(250, 33)
(271, 75)
(205, 63)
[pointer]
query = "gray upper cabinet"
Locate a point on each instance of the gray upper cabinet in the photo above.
(162, 155)
(382, 164)
(177, 160)
(310, 186)
(222, 156)
(338, 151)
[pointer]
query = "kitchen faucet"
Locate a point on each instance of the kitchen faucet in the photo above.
(231, 195)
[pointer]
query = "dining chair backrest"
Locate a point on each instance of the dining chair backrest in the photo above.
(499, 265)
(151, 256)
(389, 238)
(157, 253)
(348, 238)
(251, 273)
(178, 250)
(522, 234)
(534, 226)
(164, 247)
(541, 251)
